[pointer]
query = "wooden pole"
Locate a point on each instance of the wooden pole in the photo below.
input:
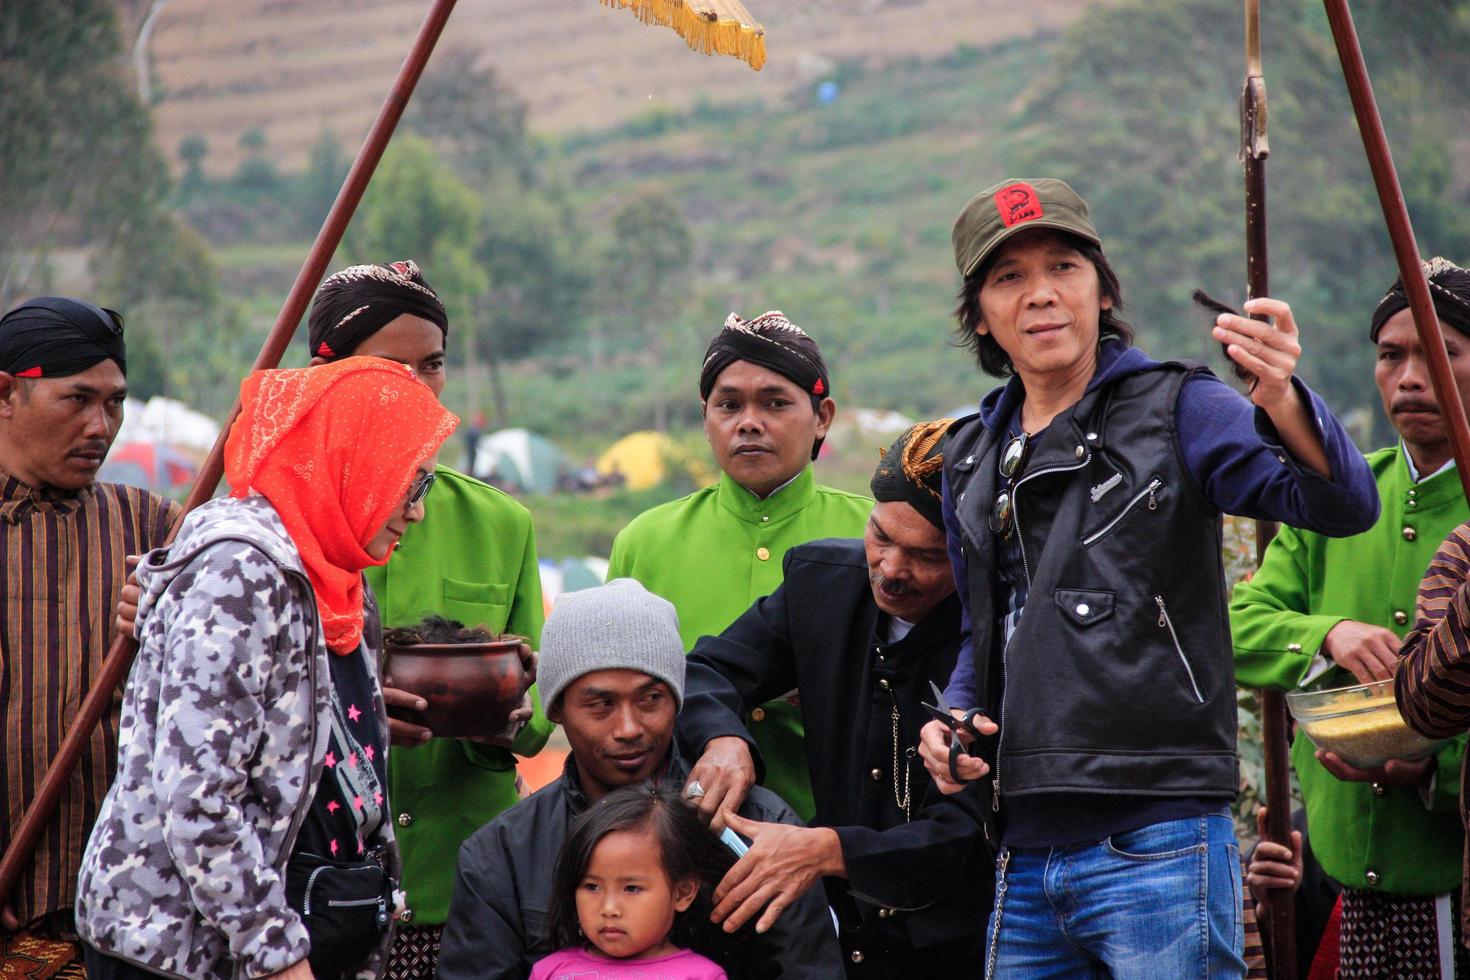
(1400, 232)
(120, 657)
(1280, 931)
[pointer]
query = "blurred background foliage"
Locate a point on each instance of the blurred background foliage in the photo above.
(584, 272)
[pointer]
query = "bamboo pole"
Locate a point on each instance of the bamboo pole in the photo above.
(1280, 931)
(1400, 232)
(120, 657)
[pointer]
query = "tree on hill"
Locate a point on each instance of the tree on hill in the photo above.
(192, 151)
(647, 282)
(79, 171)
(317, 189)
(539, 280)
(256, 175)
(77, 163)
(417, 208)
(475, 120)
(529, 240)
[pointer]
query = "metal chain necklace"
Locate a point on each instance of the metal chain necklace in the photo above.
(903, 800)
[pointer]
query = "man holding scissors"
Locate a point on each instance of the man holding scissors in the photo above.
(1082, 511)
(865, 629)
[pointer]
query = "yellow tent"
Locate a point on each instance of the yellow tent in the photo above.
(648, 458)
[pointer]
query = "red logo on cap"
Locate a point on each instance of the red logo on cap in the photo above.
(34, 372)
(325, 351)
(1018, 203)
(819, 388)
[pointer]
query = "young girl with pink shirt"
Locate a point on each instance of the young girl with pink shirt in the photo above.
(632, 891)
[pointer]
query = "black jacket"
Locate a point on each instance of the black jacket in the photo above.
(1121, 671)
(911, 894)
(498, 928)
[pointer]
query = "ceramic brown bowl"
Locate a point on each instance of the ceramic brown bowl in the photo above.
(471, 688)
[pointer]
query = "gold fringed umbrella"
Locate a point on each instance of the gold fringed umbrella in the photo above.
(710, 26)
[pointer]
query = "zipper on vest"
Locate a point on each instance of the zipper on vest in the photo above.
(1166, 623)
(1005, 685)
(1149, 491)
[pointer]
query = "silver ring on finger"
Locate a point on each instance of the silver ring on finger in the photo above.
(694, 791)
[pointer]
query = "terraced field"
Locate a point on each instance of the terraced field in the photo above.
(291, 67)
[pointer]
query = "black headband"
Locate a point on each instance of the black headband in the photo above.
(54, 336)
(354, 304)
(1449, 287)
(912, 469)
(773, 342)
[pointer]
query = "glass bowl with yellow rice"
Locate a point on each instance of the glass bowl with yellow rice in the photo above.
(1360, 724)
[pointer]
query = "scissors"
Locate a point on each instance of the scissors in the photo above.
(966, 721)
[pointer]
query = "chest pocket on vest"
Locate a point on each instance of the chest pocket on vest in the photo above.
(1145, 499)
(1084, 607)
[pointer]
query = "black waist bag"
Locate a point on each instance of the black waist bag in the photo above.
(346, 906)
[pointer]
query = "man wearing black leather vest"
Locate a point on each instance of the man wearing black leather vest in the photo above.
(1082, 511)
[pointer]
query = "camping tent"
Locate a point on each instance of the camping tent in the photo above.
(520, 459)
(164, 420)
(150, 465)
(646, 459)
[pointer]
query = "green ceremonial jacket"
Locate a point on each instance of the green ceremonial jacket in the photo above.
(713, 554)
(472, 559)
(1388, 840)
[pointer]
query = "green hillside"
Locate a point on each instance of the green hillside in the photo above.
(840, 213)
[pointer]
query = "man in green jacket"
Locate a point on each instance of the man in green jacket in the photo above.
(767, 406)
(472, 559)
(1326, 612)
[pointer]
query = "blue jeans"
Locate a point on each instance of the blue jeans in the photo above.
(1160, 903)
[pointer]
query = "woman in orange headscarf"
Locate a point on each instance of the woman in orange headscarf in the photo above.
(246, 832)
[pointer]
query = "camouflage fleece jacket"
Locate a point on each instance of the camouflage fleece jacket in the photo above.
(224, 725)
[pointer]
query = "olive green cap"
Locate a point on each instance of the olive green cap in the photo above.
(1013, 206)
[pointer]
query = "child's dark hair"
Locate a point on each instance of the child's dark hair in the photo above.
(687, 849)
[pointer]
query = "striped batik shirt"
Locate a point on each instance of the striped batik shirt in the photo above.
(61, 566)
(1433, 681)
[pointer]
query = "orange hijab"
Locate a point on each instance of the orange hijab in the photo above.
(334, 449)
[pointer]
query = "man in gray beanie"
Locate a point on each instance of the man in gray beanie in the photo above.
(620, 625)
(612, 675)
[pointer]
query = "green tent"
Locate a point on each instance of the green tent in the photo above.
(520, 460)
